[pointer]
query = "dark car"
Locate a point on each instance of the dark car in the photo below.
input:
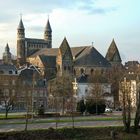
(119, 109)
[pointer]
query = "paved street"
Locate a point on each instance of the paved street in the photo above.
(19, 127)
(13, 124)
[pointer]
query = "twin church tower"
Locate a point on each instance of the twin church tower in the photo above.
(28, 46)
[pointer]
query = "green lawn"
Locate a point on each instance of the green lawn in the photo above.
(58, 120)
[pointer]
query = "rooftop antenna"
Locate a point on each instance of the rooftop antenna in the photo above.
(92, 44)
(20, 15)
(48, 16)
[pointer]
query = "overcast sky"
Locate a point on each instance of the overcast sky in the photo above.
(81, 21)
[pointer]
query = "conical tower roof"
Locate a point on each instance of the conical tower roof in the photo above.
(48, 26)
(20, 26)
(7, 48)
(91, 57)
(113, 54)
(64, 47)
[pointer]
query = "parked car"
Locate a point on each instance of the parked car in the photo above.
(2, 107)
(109, 110)
(118, 109)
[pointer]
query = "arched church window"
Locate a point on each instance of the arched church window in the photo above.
(1, 72)
(74, 72)
(102, 71)
(82, 70)
(58, 67)
(91, 71)
(65, 67)
(69, 68)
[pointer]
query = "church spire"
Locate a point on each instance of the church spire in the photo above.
(48, 26)
(21, 43)
(20, 26)
(7, 59)
(20, 30)
(7, 48)
(48, 34)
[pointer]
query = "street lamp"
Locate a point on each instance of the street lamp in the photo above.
(75, 87)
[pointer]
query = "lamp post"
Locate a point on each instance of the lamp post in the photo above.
(32, 94)
(75, 87)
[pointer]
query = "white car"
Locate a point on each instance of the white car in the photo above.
(108, 110)
(2, 107)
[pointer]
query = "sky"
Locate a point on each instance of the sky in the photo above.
(80, 21)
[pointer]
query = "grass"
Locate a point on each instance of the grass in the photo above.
(12, 116)
(62, 120)
(86, 133)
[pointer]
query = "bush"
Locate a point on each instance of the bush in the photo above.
(91, 106)
(81, 106)
(41, 110)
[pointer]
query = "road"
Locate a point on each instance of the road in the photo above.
(12, 124)
(20, 127)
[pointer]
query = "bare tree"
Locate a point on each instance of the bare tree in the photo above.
(137, 115)
(114, 76)
(95, 88)
(61, 87)
(9, 100)
(61, 90)
(126, 102)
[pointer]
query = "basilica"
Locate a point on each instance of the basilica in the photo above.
(80, 62)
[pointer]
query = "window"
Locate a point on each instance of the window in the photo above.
(69, 68)
(65, 67)
(13, 82)
(13, 92)
(82, 70)
(74, 71)
(10, 72)
(1, 72)
(91, 71)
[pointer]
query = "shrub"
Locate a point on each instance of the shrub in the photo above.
(41, 110)
(92, 105)
(81, 106)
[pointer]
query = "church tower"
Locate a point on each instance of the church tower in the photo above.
(113, 55)
(21, 58)
(7, 59)
(48, 34)
(64, 59)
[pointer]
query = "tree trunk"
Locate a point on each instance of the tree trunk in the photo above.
(137, 118)
(26, 121)
(6, 112)
(63, 105)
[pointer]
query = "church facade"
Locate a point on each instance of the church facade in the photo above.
(51, 61)
(28, 46)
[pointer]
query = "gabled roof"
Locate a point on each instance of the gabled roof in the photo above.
(64, 47)
(7, 67)
(113, 54)
(54, 51)
(91, 57)
(47, 52)
(20, 26)
(77, 50)
(48, 61)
